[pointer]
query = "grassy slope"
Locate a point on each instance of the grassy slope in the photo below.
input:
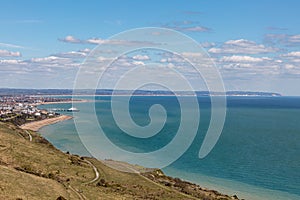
(37, 170)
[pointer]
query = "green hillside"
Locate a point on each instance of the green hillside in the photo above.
(37, 170)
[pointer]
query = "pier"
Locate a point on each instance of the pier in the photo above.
(64, 110)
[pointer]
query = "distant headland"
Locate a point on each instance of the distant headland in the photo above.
(13, 91)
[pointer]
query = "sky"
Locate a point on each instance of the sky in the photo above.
(255, 44)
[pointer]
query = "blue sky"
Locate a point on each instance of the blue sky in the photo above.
(255, 44)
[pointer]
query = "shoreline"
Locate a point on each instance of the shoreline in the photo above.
(139, 184)
(62, 102)
(242, 193)
(37, 125)
(114, 164)
(118, 165)
(209, 188)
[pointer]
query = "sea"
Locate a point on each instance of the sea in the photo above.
(256, 157)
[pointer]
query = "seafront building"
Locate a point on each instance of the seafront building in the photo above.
(21, 109)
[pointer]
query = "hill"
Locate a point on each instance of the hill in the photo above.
(32, 168)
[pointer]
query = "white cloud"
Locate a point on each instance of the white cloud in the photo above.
(294, 39)
(292, 54)
(53, 61)
(11, 62)
(5, 53)
(47, 59)
(138, 63)
(70, 39)
(242, 46)
(192, 54)
(292, 69)
(289, 66)
(208, 44)
(11, 46)
(73, 54)
(102, 59)
(187, 26)
(95, 41)
(195, 29)
(80, 54)
(86, 50)
(291, 57)
(190, 28)
(141, 57)
(285, 39)
(172, 59)
(243, 59)
(245, 67)
(275, 28)
(98, 41)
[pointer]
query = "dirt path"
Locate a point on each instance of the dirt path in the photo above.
(122, 166)
(81, 196)
(97, 175)
(30, 136)
(125, 167)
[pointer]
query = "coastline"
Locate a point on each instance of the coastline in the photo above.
(94, 178)
(62, 102)
(244, 191)
(141, 171)
(36, 125)
(209, 189)
(127, 167)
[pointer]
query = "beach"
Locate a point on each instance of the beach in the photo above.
(36, 125)
(62, 102)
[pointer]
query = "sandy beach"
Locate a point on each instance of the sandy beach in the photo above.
(35, 126)
(61, 102)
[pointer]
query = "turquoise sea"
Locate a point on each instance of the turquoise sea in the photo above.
(256, 157)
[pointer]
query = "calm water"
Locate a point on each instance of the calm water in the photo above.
(256, 157)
